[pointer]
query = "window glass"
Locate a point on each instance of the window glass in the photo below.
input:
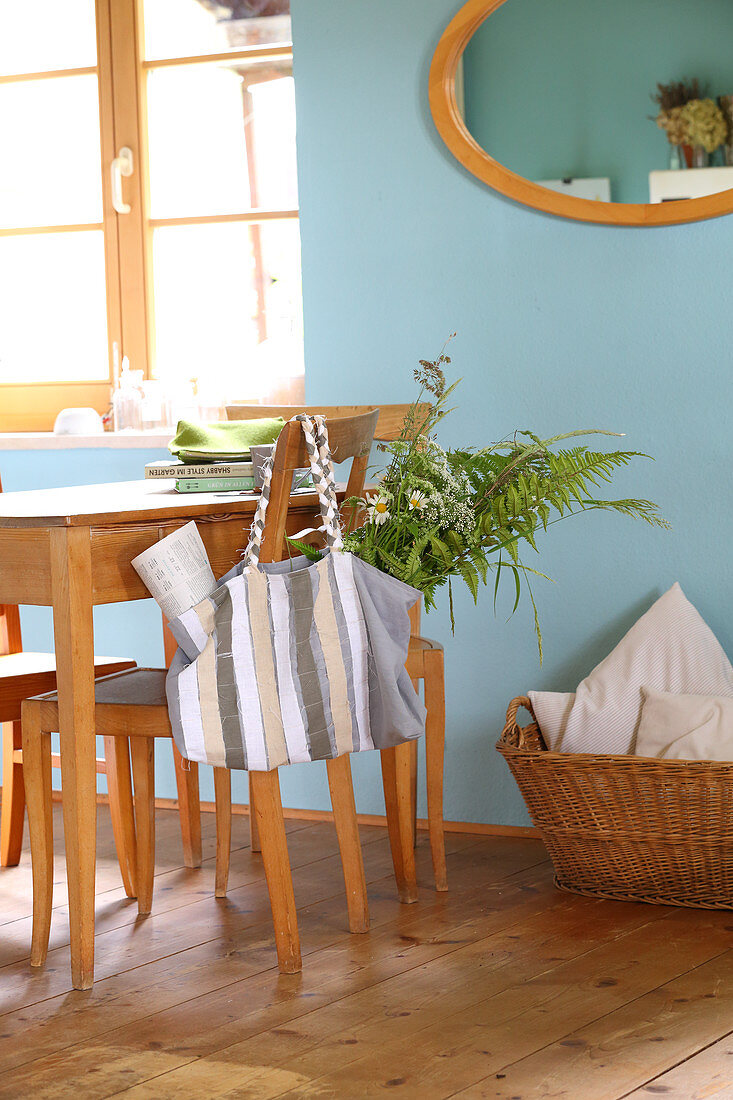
(49, 136)
(43, 35)
(53, 308)
(221, 139)
(187, 28)
(228, 307)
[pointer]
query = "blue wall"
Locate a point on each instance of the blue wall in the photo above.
(560, 325)
(563, 89)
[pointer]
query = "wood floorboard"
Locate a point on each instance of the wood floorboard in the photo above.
(707, 1075)
(174, 889)
(210, 966)
(625, 1048)
(503, 987)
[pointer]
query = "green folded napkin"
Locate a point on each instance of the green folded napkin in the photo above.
(195, 442)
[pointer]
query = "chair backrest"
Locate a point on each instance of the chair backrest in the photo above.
(390, 423)
(10, 639)
(349, 437)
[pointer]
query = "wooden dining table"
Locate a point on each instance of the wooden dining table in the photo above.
(71, 549)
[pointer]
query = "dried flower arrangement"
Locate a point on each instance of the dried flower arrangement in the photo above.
(674, 125)
(704, 123)
(689, 117)
(438, 515)
(726, 106)
(671, 98)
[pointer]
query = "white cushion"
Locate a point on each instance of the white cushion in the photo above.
(686, 727)
(670, 648)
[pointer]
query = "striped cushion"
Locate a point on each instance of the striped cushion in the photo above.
(669, 649)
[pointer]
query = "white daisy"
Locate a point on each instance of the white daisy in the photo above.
(378, 508)
(416, 500)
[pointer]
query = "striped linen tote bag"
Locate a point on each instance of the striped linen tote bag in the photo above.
(295, 660)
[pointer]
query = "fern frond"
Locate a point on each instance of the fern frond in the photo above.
(308, 551)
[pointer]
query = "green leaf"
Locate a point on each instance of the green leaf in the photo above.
(518, 588)
(496, 582)
(470, 576)
(310, 552)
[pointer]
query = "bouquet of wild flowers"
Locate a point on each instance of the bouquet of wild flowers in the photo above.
(438, 515)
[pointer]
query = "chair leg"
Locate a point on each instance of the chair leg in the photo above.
(415, 614)
(434, 757)
(269, 811)
(397, 801)
(37, 766)
(187, 782)
(142, 750)
(223, 795)
(347, 830)
(254, 832)
(12, 812)
(189, 808)
(121, 808)
(413, 790)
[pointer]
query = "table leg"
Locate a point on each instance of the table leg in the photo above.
(71, 591)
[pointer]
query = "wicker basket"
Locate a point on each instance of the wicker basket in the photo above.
(627, 827)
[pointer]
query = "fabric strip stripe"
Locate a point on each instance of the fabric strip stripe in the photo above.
(344, 576)
(297, 742)
(345, 644)
(320, 665)
(226, 687)
(206, 664)
(253, 732)
(189, 634)
(190, 711)
(259, 618)
(310, 688)
(327, 628)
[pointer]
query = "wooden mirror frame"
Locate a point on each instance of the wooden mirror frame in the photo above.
(452, 128)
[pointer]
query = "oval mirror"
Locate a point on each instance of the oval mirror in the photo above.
(616, 113)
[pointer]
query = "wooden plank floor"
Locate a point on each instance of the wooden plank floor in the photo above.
(502, 988)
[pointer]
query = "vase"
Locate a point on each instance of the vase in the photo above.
(699, 157)
(677, 160)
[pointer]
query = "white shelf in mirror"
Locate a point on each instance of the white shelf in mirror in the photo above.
(689, 183)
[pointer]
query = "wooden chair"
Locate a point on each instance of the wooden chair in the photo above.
(425, 664)
(23, 674)
(131, 708)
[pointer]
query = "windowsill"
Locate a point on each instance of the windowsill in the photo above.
(47, 441)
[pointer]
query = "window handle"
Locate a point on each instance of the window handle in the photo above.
(121, 166)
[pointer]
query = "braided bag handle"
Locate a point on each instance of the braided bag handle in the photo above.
(319, 454)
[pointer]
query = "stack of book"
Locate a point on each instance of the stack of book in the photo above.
(220, 476)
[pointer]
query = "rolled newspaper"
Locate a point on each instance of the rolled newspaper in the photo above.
(176, 571)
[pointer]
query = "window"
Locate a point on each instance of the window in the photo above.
(148, 203)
